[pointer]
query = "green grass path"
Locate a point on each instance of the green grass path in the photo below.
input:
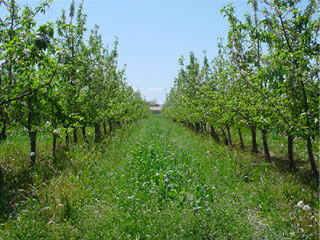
(158, 180)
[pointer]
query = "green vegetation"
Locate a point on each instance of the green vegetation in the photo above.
(265, 78)
(53, 80)
(158, 180)
(130, 175)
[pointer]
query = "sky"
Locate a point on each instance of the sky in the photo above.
(153, 34)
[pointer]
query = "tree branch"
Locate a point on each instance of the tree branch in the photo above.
(30, 92)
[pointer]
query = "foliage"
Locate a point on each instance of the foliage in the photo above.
(53, 79)
(265, 78)
(156, 179)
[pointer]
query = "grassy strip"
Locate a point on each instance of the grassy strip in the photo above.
(158, 180)
(278, 146)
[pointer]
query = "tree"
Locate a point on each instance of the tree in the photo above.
(28, 68)
(292, 35)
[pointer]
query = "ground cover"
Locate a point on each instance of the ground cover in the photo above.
(158, 180)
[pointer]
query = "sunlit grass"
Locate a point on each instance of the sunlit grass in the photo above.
(158, 180)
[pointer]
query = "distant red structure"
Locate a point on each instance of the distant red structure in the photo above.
(155, 109)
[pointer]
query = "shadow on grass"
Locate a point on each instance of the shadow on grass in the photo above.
(301, 173)
(21, 184)
(16, 184)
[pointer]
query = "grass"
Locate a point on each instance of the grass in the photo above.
(158, 180)
(279, 150)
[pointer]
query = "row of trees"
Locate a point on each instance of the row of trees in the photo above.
(53, 79)
(265, 76)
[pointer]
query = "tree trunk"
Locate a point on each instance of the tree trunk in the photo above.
(110, 127)
(241, 139)
(1, 179)
(105, 129)
(308, 123)
(83, 129)
(197, 125)
(33, 146)
(226, 141)
(229, 134)
(265, 145)
(203, 127)
(54, 145)
(75, 137)
(97, 132)
(311, 158)
(3, 135)
(32, 133)
(67, 139)
(292, 165)
(214, 134)
(254, 139)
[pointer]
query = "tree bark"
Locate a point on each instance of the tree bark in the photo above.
(110, 127)
(254, 139)
(229, 134)
(1, 179)
(83, 129)
(4, 119)
(32, 133)
(311, 159)
(97, 132)
(105, 129)
(226, 141)
(292, 165)
(67, 139)
(265, 145)
(203, 127)
(214, 134)
(3, 135)
(54, 145)
(197, 127)
(75, 137)
(308, 122)
(241, 139)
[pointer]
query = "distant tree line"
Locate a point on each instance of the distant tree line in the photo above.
(153, 103)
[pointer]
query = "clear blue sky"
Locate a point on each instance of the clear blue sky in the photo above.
(154, 34)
